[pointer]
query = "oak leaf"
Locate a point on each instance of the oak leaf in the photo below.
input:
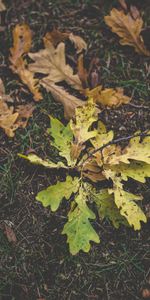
(108, 97)
(62, 139)
(2, 6)
(22, 39)
(55, 37)
(52, 62)
(34, 159)
(128, 29)
(10, 118)
(81, 127)
(125, 201)
(136, 150)
(78, 228)
(107, 208)
(69, 101)
(54, 194)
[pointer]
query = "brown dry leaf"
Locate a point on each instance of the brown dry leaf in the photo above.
(10, 120)
(69, 102)
(82, 72)
(22, 39)
(127, 29)
(55, 37)
(24, 113)
(134, 12)
(123, 4)
(92, 171)
(2, 6)
(108, 97)
(79, 43)
(10, 234)
(27, 78)
(52, 62)
(76, 150)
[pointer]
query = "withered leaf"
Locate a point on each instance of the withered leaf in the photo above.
(2, 6)
(55, 37)
(128, 29)
(10, 234)
(69, 101)
(108, 97)
(92, 171)
(22, 39)
(11, 119)
(82, 72)
(52, 62)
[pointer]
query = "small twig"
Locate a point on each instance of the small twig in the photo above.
(115, 141)
(138, 106)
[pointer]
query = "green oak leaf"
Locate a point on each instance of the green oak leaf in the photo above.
(62, 138)
(107, 208)
(53, 195)
(78, 228)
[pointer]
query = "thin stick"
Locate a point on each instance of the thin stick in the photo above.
(115, 141)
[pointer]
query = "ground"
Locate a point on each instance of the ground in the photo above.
(39, 265)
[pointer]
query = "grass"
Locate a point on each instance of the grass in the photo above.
(39, 264)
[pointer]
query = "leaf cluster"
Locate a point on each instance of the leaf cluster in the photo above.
(88, 148)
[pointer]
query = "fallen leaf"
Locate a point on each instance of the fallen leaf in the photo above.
(146, 293)
(108, 97)
(2, 6)
(52, 62)
(79, 43)
(24, 113)
(134, 12)
(123, 4)
(82, 72)
(22, 39)
(10, 234)
(128, 29)
(11, 119)
(55, 37)
(69, 101)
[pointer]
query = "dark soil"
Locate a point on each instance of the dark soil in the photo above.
(39, 265)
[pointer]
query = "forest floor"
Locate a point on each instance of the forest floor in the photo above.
(39, 265)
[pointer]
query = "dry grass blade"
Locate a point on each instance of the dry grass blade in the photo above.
(128, 29)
